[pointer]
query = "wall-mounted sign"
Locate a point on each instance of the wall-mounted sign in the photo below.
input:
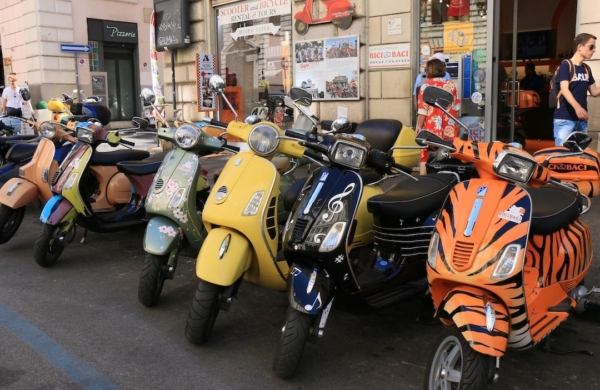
(328, 68)
(172, 24)
(389, 56)
(259, 29)
(119, 32)
(394, 26)
(205, 68)
(242, 12)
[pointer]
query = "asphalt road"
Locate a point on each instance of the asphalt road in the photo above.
(79, 325)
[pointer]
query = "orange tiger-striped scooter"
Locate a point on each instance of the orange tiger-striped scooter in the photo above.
(506, 261)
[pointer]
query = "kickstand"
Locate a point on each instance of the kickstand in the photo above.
(84, 236)
(548, 347)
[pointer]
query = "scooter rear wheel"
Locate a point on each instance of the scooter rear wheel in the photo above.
(294, 336)
(48, 247)
(455, 365)
(203, 313)
(152, 279)
(10, 220)
(301, 27)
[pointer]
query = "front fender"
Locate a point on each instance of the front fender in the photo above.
(470, 309)
(224, 257)
(162, 236)
(18, 192)
(57, 210)
(310, 290)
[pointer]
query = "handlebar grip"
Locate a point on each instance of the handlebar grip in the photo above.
(295, 134)
(215, 122)
(316, 146)
(312, 154)
(125, 142)
(231, 147)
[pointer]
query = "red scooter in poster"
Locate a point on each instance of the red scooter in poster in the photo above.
(339, 12)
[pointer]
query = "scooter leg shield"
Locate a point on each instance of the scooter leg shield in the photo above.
(481, 318)
(224, 257)
(18, 192)
(57, 210)
(310, 290)
(162, 236)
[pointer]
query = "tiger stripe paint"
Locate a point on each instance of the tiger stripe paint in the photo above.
(466, 308)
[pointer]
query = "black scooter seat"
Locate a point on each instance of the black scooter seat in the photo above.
(11, 139)
(411, 199)
(380, 133)
(20, 152)
(553, 209)
(143, 167)
(112, 158)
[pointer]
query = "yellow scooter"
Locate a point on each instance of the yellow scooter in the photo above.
(241, 220)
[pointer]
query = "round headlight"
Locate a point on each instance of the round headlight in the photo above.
(48, 130)
(187, 136)
(263, 140)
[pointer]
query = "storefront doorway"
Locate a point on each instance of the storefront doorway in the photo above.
(532, 41)
(119, 67)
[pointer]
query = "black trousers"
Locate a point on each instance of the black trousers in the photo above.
(11, 111)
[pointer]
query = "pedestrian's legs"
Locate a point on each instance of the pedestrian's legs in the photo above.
(562, 129)
(581, 126)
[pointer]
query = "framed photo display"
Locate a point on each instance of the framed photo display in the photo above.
(328, 68)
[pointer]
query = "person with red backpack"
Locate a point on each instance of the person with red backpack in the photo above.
(573, 79)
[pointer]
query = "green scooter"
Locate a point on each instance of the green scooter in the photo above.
(175, 201)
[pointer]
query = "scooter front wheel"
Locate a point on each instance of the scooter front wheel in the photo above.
(455, 365)
(203, 313)
(294, 336)
(152, 279)
(49, 246)
(343, 23)
(10, 220)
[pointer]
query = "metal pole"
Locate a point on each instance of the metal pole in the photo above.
(77, 78)
(173, 79)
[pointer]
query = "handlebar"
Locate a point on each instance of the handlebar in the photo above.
(215, 122)
(125, 142)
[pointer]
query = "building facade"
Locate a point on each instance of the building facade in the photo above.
(359, 58)
(116, 32)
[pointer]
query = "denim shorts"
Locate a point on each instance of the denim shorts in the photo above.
(564, 127)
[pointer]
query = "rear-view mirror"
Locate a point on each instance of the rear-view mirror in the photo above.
(434, 95)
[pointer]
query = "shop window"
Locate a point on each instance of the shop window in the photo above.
(253, 40)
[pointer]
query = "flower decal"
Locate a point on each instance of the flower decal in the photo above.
(180, 215)
(168, 230)
(172, 186)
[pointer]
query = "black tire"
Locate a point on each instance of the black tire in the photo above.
(10, 220)
(152, 279)
(294, 336)
(203, 313)
(301, 27)
(48, 248)
(474, 367)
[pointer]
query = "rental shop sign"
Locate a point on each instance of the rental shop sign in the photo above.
(253, 10)
(389, 56)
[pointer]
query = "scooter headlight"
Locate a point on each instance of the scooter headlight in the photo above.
(263, 139)
(514, 166)
(433, 250)
(348, 154)
(333, 238)
(508, 261)
(187, 136)
(85, 134)
(48, 130)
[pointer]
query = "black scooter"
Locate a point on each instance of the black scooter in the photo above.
(346, 236)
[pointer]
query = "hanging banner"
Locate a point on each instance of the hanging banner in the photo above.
(205, 68)
(156, 85)
(328, 68)
(458, 37)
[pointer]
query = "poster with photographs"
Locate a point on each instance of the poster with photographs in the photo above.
(328, 68)
(205, 68)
